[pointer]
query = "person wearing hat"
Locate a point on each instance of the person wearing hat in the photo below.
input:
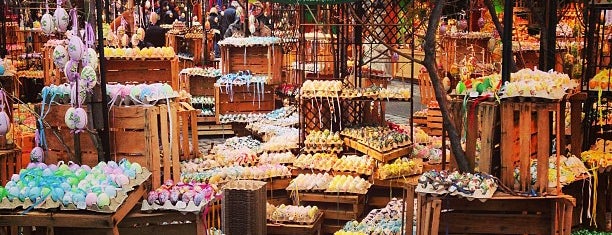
(215, 27)
(236, 29)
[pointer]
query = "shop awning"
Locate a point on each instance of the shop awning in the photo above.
(311, 2)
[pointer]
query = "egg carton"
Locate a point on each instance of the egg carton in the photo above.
(307, 221)
(179, 206)
(48, 203)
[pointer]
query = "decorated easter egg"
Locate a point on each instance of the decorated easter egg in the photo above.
(71, 70)
(463, 24)
(34, 193)
(460, 87)
(67, 198)
(91, 199)
(152, 197)
(135, 40)
(125, 39)
(110, 191)
(443, 29)
(69, 118)
(46, 23)
(57, 194)
(164, 195)
(3, 193)
(147, 4)
(61, 19)
(91, 58)
(481, 87)
(36, 155)
(5, 123)
(141, 34)
(481, 22)
(122, 180)
(75, 48)
(88, 77)
(103, 200)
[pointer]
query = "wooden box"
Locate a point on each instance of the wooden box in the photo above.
(143, 71)
(136, 133)
(188, 123)
(502, 214)
(297, 229)
(10, 163)
(483, 122)
(434, 121)
(200, 86)
(525, 135)
(244, 100)
(335, 207)
(260, 60)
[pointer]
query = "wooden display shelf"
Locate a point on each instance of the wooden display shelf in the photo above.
(260, 60)
(147, 71)
(297, 229)
(199, 85)
(278, 184)
(380, 156)
(74, 219)
(334, 206)
(502, 214)
(244, 100)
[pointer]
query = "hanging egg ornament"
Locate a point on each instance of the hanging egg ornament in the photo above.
(47, 24)
(443, 28)
(141, 34)
(463, 24)
(5, 122)
(69, 118)
(82, 95)
(60, 56)
(147, 4)
(88, 77)
(91, 58)
(75, 48)
(61, 19)
(481, 22)
(71, 70)
(135, 40)
(125, 39)
(81, 118)
(37, 154)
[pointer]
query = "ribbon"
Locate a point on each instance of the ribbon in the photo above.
(75, 22)
(90, 37)
(473, 109)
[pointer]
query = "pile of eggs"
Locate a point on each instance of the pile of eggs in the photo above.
(137, 53)
(401, 167)
(310, 182)
(71, 184)
(348, 184)
(317, 161)
(290, 213)
(361, 165)
(197, 193)
(224, 174)
(139, 94)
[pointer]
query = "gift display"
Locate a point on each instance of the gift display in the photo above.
(539, 84)
(291, 214)
(382, 139)
(317, 161)
(102, 188)
(571, 168)
(348, 184)
(362, 165)
(478, 185)
(310, 182)
(323, 141)
(401, 167)
(142, 54)
(387, 220)
(190, 197)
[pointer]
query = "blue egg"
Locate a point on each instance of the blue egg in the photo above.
(57, 194)
(13, 192)
(78, 197)
(112, 164)
(34, 193)
(130, 173)
(23, 193)
(47, 172)
(65, 186)
(67, 198)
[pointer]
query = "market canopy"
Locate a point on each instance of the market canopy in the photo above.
(311, 2)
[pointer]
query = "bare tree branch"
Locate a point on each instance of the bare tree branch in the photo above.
(432, 69)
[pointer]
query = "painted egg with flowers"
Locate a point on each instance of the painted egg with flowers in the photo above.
(61, 19)
(46, 23)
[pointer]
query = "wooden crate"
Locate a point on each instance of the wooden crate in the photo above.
(52, 74)
(484, 123)
(188, 123)
(380, 156)
(502, 214)
(260, 60)
(200, 86)
(136, 133)
(525, 135)
(243, 101)
(337, 208)
(10, 163)
(143, 71)
(297, 229)
(62, 221)
(171, 41)
(434, 121)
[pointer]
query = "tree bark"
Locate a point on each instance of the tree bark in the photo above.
(430, 63)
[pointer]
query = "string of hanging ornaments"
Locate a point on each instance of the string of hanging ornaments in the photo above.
(80, 62)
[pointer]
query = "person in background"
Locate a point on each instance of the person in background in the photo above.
(228, 16)
(236, 29)
(258, 12)
(258, 22)
(155, 36)
(215, 27)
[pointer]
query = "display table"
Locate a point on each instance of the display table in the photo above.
(297, 229)
(502, 214)
(73, 219)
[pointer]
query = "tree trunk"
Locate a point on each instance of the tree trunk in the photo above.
(430, 63)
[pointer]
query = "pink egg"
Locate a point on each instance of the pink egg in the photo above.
(91, 199)
(117, 171)
(53, 167)
(122, 180)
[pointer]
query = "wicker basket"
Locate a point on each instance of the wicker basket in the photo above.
(244, 208)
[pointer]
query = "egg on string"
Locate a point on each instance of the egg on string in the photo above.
(81, 120)
(135, 40)
(75, 48)
(69, 118)
(82, 95)
(61, 19)
(37, 154)
(481, 22)
(60, 56)
(147, 4)
(47, 23)
(71, 70)
(443, 28)
(125, 39)
(91, 58)
(88, 77)
(141, 33)
(463, 24)
(5, 122)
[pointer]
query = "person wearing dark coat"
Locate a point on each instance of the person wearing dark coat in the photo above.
(155, 36)
(215, 27)
(228, 16)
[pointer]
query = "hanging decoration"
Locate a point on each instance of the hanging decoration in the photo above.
(47, 22)
(61, 18)
(5, 120)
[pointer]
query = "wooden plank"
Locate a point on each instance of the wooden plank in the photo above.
(64, 219)
(508, 206)
(128, 117)
(153, 152)
(472, 135)
(175, 157)
(194, 134)
(525, 140)
(344, 199)
(488, 130)
(130, 142)
(206, 119)
(435, 223)
(184, 121)
(216, 132)
(506, 144)
(495, 223)
(560, 140)
(4, 176)
(543, 149)
(165, 137)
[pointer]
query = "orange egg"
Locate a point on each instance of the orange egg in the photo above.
(593, 84)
